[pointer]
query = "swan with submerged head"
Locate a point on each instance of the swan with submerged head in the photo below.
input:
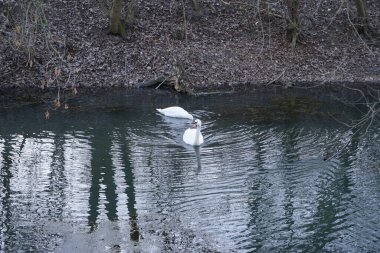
(193, 135)
(175, 112)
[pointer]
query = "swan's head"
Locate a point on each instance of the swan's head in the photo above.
(196, 124)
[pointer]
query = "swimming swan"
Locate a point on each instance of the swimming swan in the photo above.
(176, 112)
(193, 135)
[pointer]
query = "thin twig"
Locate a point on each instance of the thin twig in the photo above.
(277, 78)
(161, 83)
(357, 32)
(184, 20)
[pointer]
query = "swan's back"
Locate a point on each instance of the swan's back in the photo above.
(175, 112)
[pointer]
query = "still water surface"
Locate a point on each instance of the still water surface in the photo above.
(276, 174)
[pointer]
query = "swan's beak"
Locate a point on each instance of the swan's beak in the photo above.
(194, 124)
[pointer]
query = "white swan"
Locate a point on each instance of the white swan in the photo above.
(193, 135)
(176, 112)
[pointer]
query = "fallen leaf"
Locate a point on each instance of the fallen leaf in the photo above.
(17, 44)
(57, 103)
(57, 71)
(42, 86)
(47, 114)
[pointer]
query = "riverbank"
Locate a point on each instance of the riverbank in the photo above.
(224, 47)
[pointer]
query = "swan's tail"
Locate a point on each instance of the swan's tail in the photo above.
(159, 110)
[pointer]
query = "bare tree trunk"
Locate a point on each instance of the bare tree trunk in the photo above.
(197, 6)
(264, 9)
(184, 20)
(264, 6)
(293, 29)
(115, 17)
(361, 8)
(132, 13)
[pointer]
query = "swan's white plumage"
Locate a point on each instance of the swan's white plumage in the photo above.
(175, 112)
(193, 136)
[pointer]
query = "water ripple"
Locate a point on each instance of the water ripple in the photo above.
(254, 185)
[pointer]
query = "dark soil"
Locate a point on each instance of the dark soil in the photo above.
(229, 45)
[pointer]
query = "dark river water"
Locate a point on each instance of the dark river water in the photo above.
(277, 173)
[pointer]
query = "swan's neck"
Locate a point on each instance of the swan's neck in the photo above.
(197, 133)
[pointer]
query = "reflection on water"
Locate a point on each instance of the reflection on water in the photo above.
(113, 175)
